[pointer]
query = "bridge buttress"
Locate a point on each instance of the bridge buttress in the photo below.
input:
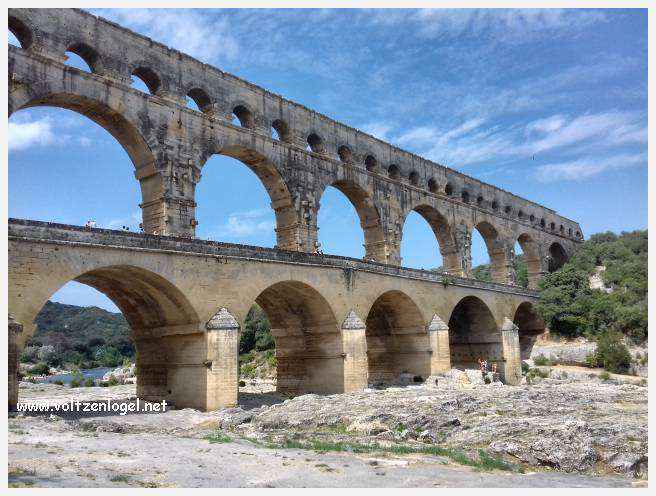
(511, 370)
(168, 191)
(354, 346)
(222, 338)
(438, 338)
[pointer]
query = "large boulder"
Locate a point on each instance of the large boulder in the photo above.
(475, 376)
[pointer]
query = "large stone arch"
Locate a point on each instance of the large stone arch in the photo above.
(269, 173)
(531, 249)
(307, 336)
(368, 214)
(134, 138)
(473, 334)
(441, 227)
(495, 249)
(396, 339)
(152, 305)
(141, 152)
(529, 325)
(556, 256)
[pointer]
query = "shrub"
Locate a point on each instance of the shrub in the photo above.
(591, 360)
(541, 360)
(612, 353)
(75, 383)
(218, 437)
(248, 370)
(40, 368)
(89, 382)
(30, 354)
(270, 357)
(525, 368)
(120, 478)
(59, 382)
(535, 373)
(604, 376)
(113, 381)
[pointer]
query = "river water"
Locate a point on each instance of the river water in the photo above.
(94, 374)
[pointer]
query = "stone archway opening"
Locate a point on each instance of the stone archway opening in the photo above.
(530, 258)
(19, 34)
(67, 130)
(256, 210)
(81, 56)
(557, 257)
(530, 325)
(308, 344)
(445, 257)
(153, 309)
(336, 221)
(474, 335)
(492, 247)
(397, 341)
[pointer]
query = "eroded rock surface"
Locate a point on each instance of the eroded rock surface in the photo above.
(565, 425)
(574, 428)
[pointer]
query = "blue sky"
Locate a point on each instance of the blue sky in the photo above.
(551, 105)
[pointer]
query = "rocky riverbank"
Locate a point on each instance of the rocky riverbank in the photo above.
(576, 351)
(553, 429)
(585, 427)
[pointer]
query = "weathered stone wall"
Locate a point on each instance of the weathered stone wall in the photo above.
(326, 311)
(170, 143)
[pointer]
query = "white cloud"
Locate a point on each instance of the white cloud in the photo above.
(193, 32)
(519, 24)
(418, 136)
(25, 134)
(584, 168)
(378, 129)
(610, 128)
(132, 222)
(430, 135)
(471, 143)
(548, 125)
(248, 223)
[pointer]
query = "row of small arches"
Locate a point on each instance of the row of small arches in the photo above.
(84, 57)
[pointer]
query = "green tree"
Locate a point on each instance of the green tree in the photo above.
(612, 354)
(257, 332)
(482, 273)
(570, 308)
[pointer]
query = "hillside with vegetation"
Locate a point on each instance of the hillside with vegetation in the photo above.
(613, 315)
(571, 308)
(85, 337)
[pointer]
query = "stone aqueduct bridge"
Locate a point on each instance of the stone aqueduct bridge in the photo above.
(169, 144)
(339, 323)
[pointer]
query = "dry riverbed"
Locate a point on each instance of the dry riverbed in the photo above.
(556, 433)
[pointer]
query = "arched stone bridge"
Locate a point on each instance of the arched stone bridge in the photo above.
(339, 323)
(169, 143)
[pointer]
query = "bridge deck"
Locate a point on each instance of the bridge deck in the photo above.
(50, 232)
